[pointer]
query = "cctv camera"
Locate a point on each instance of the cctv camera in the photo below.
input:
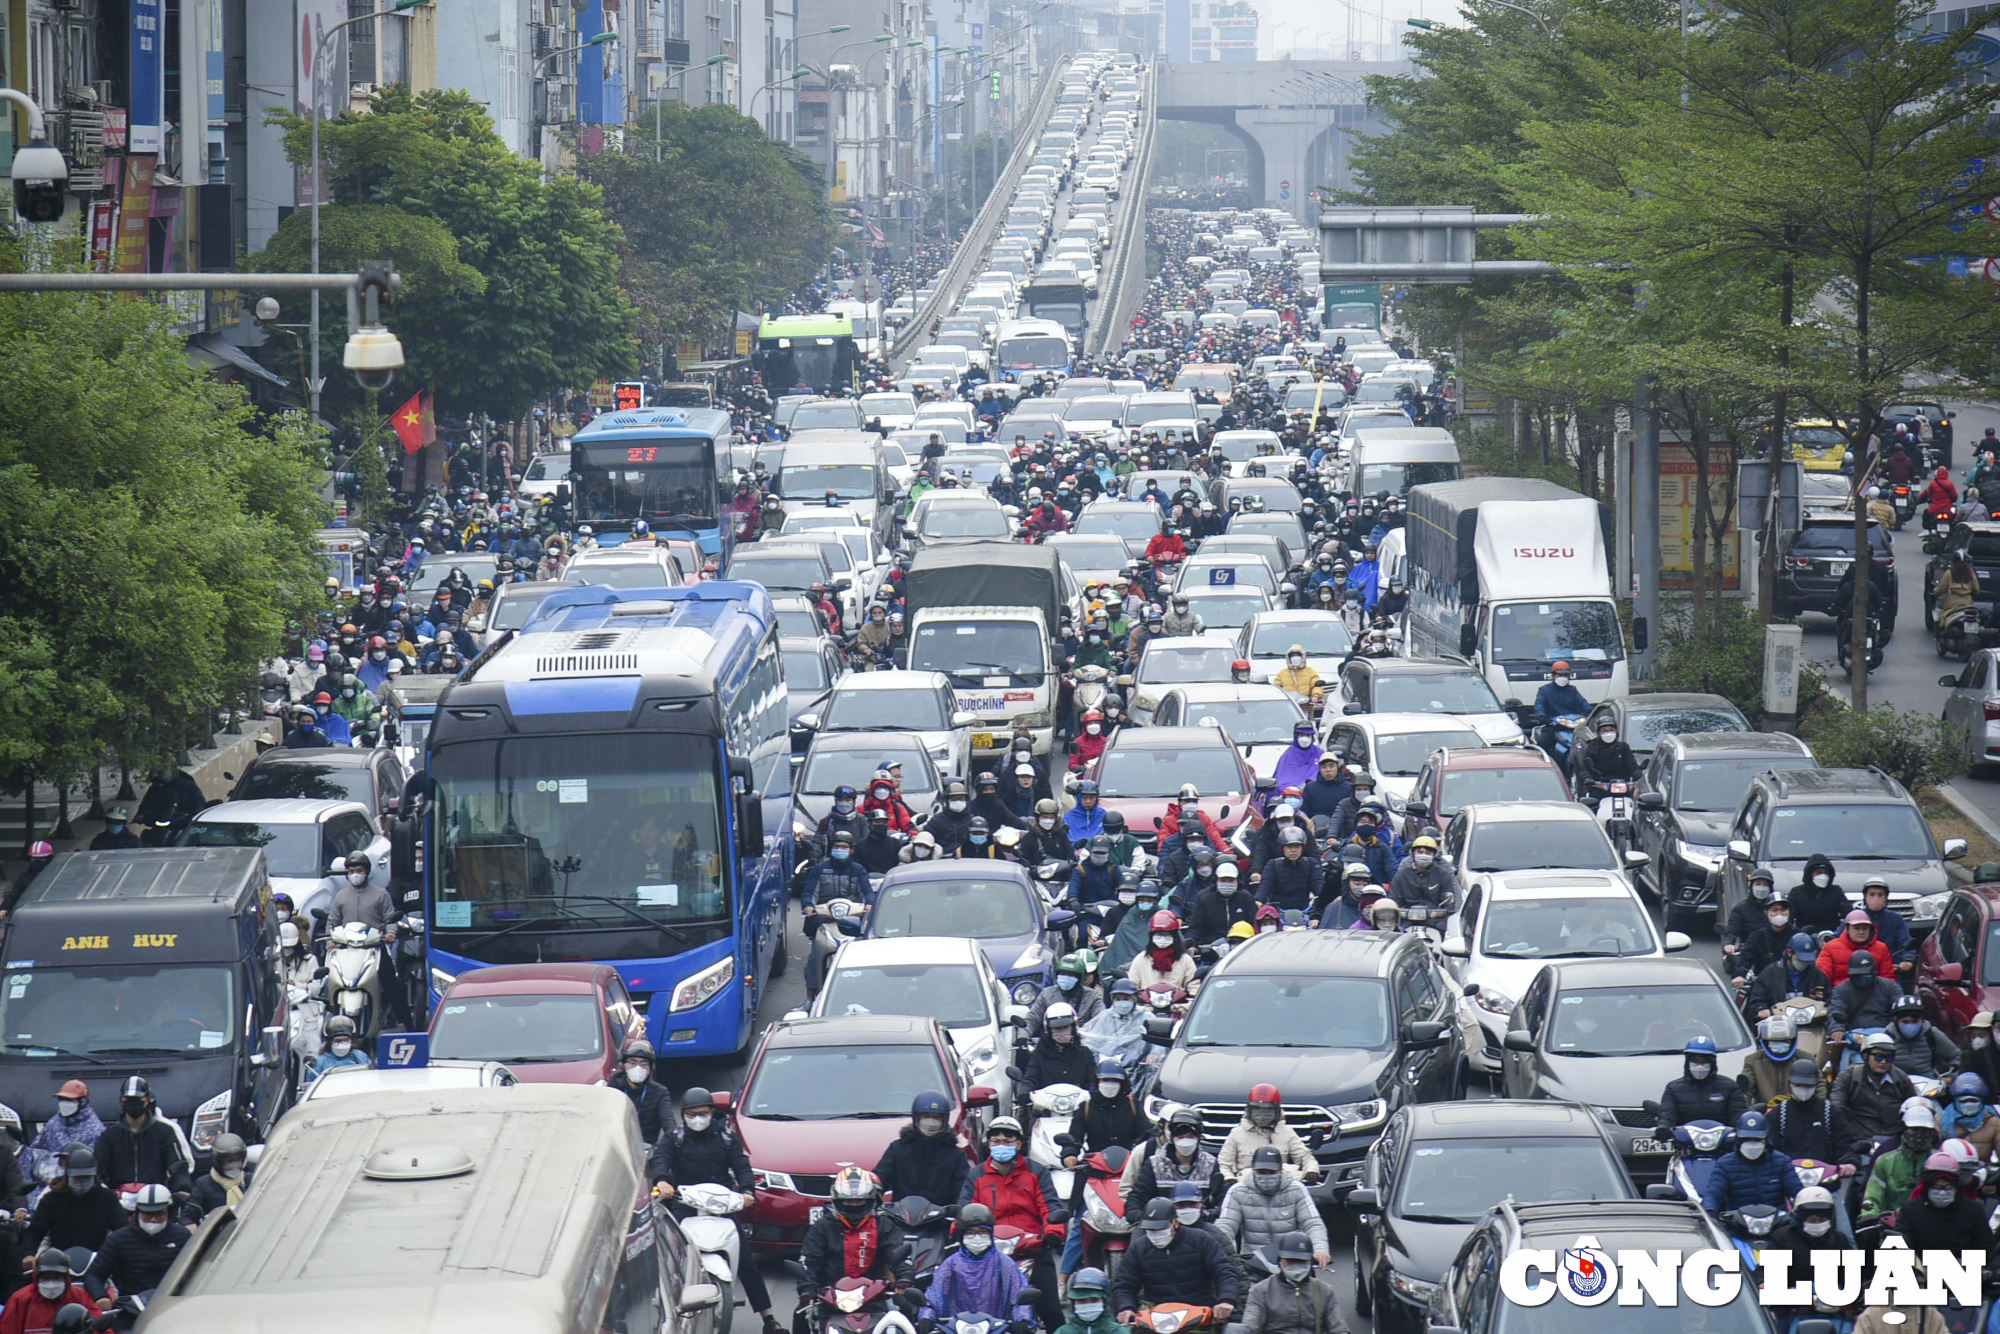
(39, 175)
(374, 355)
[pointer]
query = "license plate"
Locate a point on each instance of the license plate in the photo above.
(1651, 1146)
(812, 1214)
(982, 741)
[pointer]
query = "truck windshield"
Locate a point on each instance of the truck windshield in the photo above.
(978, 648)
(1552, 631)
(1385, 479)
(175, 1010)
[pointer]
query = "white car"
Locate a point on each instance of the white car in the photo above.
(894, 411)
(305, 843)
(544, 473)
(922, 703)
(1511, 925)
(1260, 719)
(1268, 636)
(625, 566)
(945, 978)
(1175, 660)
(1392, 747)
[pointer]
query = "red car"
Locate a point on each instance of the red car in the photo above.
(822, 1094)
(1456, 777)
(549, 1023)
(1141, 772)
(1958, 964)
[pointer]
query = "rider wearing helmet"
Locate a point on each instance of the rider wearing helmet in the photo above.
(1557, 698)
(1812, 1227)
(1424, 879)
(1920, 1048)
(853, 1238)
(1970, 1117)
(341, 1049)
(1073, 988)
(1021, 1195)
(1060, 1057)
(40, 853)
(950, 820)
(704, 1151)
(141, 1145)
(228, 1176)
(1940, 1217)
(634, 1079)
(1754, 1174)
(1089, 1299)
(1857, 936)
(1164, 960)
(977, 1278)
(1263, 1124)
(1384, 914)
(1085, 820)
(1702, 1093)
(35, 1306)
(361, 900)
(136, 1257)
(1808, 1124)
(925, 1159)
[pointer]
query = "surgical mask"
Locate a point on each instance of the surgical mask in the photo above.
(348, 693)
(1821, 879)
(232, 1172)
(932, 1126)
(1778, 920)
(1226, 888)
(51, 1288)
(1295, 1271)
(1753, 1149)
(1067, 981)
(1109, 1088)
(1804, 1092)
(1296, 660)
(1099, 858)
(1093, 728)
(357, 877)
(1941, 1196)
(1046, 821)
(1970, 1109)
(1004, 1153)
(1562, 680)
(976, 1243)
(841, 854)
(1910, 1029)
(1162, 1239)
(1980, 1043)
(977, 840)
(1268, 1182)
(1163, 942)
(1422, 860)
(342, 1047)
(1700, 1069)
(1127, 897)
(380, 655)
(698, 1122)
(284, 915)
(152, 1227)
(1760, 891)
(67, 1107)
(844, 807)
(1089, 1313)
(1186, 1145)
(1121, 1008)
(1303, 741)
(638, 1072)
(956, 805)
(1607, 736)
(1816, 1227)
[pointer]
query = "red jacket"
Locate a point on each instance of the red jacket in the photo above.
(1166, 546)
(1834, 958)
(28, 1312)
(900, 818)
(1940, 495)
(1085, 750)
(1020, 1198)
(1170, 826)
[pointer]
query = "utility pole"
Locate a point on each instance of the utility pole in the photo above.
(1645, 483)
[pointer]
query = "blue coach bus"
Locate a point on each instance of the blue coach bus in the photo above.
(656, 464)
(612, 784)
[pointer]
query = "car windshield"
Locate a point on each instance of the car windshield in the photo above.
(515, 609)
(1719, 785)
(438, 568)
(964, 521)
(1160, 771)
(290, 850)
(916, 710)
(798, 623)
(1097, 556)
(1402, 754)
(1121, 523)
(313, 782)
(1643, 1020)
(1457, 1180)
(1463, 787)
(835, 1083)
(828, 769)
(1229, 611)
(518, 1030)
(848, 481)
(1438, 692)
(1564, 927)
(1184, 666)
(889, 405)
(805, 670)
(790, 572)
(1094, 410)
(1644, 728)
(1848, 833)
(1300, 397)
(968, 909)
(1326, 638)
(837, 415)
(1248, 721)
(970, 650)
(1538, 845)
(1832, 539)
(1548, 631)
(1396, 479)
(1290, 1012)
(950, 993)
(547, 468)
(136, 1010)
(1242, 449)
(620, 574)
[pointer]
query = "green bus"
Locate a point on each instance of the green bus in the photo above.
(807, 354)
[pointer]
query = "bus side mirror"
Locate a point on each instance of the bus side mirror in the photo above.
(750, 824)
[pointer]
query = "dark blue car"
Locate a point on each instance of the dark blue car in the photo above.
(991, 902)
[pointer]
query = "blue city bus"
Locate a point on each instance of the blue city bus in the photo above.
(657, 464)
(612, 784)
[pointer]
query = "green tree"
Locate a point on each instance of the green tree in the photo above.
(157, 544)
(547, 312)
(1915, 749)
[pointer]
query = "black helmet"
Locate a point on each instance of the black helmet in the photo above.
(135, 1086)
(52, 1261)
(1114, 823)
(695, 1098)
(73, 1318)
(974, 1215)
(977, 826)
(358, 860)
(1908, 1003)
(987, 780)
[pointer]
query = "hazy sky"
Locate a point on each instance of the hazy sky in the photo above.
(1324, 24)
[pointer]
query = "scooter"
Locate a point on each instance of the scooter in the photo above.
(1844, 643)
(856, 1306)
(928, 1232)
(1700, 1146)
(1091, 682)
(1750, 1227)
(354, 978)
(1055, 1111)
(1614, 812)
(1107, 1232)
(1960, 633)
(1173, 1317)
(830, 924)
(1423, 920)
(707, 1222)
(1557, 738)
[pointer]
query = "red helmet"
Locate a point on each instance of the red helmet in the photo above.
(1240, 665)
(1093, 716)
(1164, 920)
(1266, 1093)
(378, 642)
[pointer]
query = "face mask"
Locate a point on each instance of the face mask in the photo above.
(844, 807)
(1089, 1313)
(1093, 728)
(1185, 1146)
(1162, 1239)
(51, 1288)
(881, 794)
(1268, 1182)
(152, 1227)
(698, 1123)
(1067, 981)
(1753, 1149)
(1163, 942)
(1295, 1271)
(1423, 860)
(1127, 897)
(1109, 1088)
(1979, 1044)
(357, 877)
(348, 693)
(284, 915)
(1910, 1030)
(232, 1172)
(1700, 1069)
(1063, 1036)
(840, 854)
(930, 1125)
(342, 1048)
(1099, 858)
(976, 1243)
(1821, 879)
(956, 805)
(1919, 1140)
(638, 1072)
(1816, 1227)
(1970, 1108)
(1760, 892)
(1607, 737)
(977, 840)
(66, 1107)
(1121, 1008)
(1779, 921)
(1004, 1153)
(1804, 1092)
(1562, 680)
(1296, 661)
(380, 655)
(1941, 1196)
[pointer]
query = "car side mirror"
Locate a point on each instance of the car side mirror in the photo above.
(1518, 1039)
(1677, 941)
(724, 1100)
(1456, 948)
(807, 722)
(979, 1095)
(1468, 639)
(1364, 1201)
(1650, 1106)
(1949, 680)
(1951, 974)
(1160, 1030)
(1739, 849)
(338, 866)
(1418, 809)
(1955, 849)
(964, 718)
(1425, 1033)
(1635, 860)
(1355, 708)
(1652, 801)
(1662, 1190)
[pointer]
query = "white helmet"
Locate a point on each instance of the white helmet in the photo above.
(1059, 1015)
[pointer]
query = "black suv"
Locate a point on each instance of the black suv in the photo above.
(1814, 560)
(1691, 790)
(1349, 1025)
(1861, 818)
(1436, 1171)
(1469, 1300)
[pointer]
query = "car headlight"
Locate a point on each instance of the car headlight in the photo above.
(1414, 1288)
(1355, 1116)
(1493, 1002)
(210, 1120)
(773, 1180)
(1156, 1107)
(1928, 907)
(1025, 991)
(441, 980)
(981, 1056)
(1699, 854)
(703, 985)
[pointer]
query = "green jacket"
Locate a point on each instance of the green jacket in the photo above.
(358, 709)
(1106, 1324)
(1124, 849)
(1094, 655)
(1890, 1184)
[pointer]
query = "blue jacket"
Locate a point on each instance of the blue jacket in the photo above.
(1319, 577)
(989, 1285)
(1093, 884)
(326, 1061)
(1083, 825)
(1324, 798)
(336, 728)
(1553, 701)
(1737, 1181)
(1894, 933)
(1366, 580)
(1382, 856)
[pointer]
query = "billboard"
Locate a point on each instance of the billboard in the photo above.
(320, 73)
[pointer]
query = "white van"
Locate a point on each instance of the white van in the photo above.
(1390, 460)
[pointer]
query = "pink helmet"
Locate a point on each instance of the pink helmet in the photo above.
(40, 849)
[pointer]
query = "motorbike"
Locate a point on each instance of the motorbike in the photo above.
(1844, 643)
(354, 978)
(1614, 812)
(1904, 498)
(856, 1306)
(1424, 920)
(1173, 1317)
(1960, 633)
(1556, 739)
(1055, 1111)
(707, 1220)
(1019, 1245)
(125, 1312)
(1699, 1146)
(1750, 1227)
(830, 924)
(1809, 1015)
(1851, 1048)
(928, 1230)
(1107, 1232)
(1090, 683)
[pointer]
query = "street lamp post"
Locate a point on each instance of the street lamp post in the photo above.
(797, 74)
(790, 55)
(319, 54)
(709, 64)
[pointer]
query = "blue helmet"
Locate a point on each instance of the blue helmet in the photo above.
(930, 1104)
(1968, 1085)
(1753, 1125)
(1701, 1045)
(1088, 1280)
(1110, 1068)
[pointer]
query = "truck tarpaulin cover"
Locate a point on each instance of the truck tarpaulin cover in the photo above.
(986, 574)
(1447, 533)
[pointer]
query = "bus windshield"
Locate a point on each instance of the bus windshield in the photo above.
(655, 480)
(1029, 352)
(617, 836)
(848, 481)
(1382, 479)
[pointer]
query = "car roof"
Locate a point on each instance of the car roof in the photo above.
(1726, 744)
(1411, 666)
(892, 681)
(1375, 724)
(1593, 974)
(833, 1030)
(1170, 738)
(1496, 757)
(1314, 953)
(1197, 692)
(278, 810)
(871, 953)
(953, 870)
(1560, 884)
(1501, 1117)
(1616, 1224)
(1521, 812)
(533, 979)
(1665, 701)
(1846, 784)
(901, 742)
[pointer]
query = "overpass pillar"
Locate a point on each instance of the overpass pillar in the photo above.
(1285, 136)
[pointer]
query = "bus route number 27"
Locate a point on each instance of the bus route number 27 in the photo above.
(641, 453)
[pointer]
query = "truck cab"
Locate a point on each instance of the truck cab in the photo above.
(998, 660)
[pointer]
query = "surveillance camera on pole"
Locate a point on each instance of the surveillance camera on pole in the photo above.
(372, 352)
(39, 170)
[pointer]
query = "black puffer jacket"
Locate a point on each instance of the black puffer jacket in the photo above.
(932, 1166)
(1053, 1062)
(150, 1155)
(1194, 1269)
(706, 1157)
(1813, 908)
(651, 1100)
(134, 1259)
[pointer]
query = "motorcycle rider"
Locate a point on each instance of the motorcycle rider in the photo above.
(950, 823)
(977, 1278)
(1289, 880)
(32, 1309)
(1557, 699)
(1299, 1298)
(76, 1209)
(1857, 936)
(1267, 1203)
(1797, 974)
(1817, 903)
(1175, 1264)
(137, 1256)
(117, 830)
(340, 1049)
(1322, 796)
(1072, 987)
(1222, 903)
(881, 851)
(1085, 820)
(1941, 1218)
(1920, 1048)
(1165, 960)
(1969, 1117)
(650, 1099)
(1298, 678)
(1264, 1124)
(1863, 1001)
(1767, 946)
(1177, 1158)
(1872, 1090)
(1891, 931)
(1089, 1299)
(1897, 1171)
(1746, 919)
(228, 1176)
(1701, 1093)
(1022, 1195)
(1059, 1057)
(142, 1145)
(1130, 938)
(1807, 1124)
(1095, 878)
(1108, 1118)
(925, 1158)
(1754, 1173)
(989, 806)
(855, 1238)
(703, 1151)
(845, 814)
(1424, 878)
(1607, 760)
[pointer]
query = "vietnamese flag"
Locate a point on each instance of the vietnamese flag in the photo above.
(416, 422)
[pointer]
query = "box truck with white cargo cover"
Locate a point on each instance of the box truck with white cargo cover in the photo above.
(1511, 573)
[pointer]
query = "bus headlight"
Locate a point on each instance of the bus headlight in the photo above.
(441, 980)
(703, 985)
